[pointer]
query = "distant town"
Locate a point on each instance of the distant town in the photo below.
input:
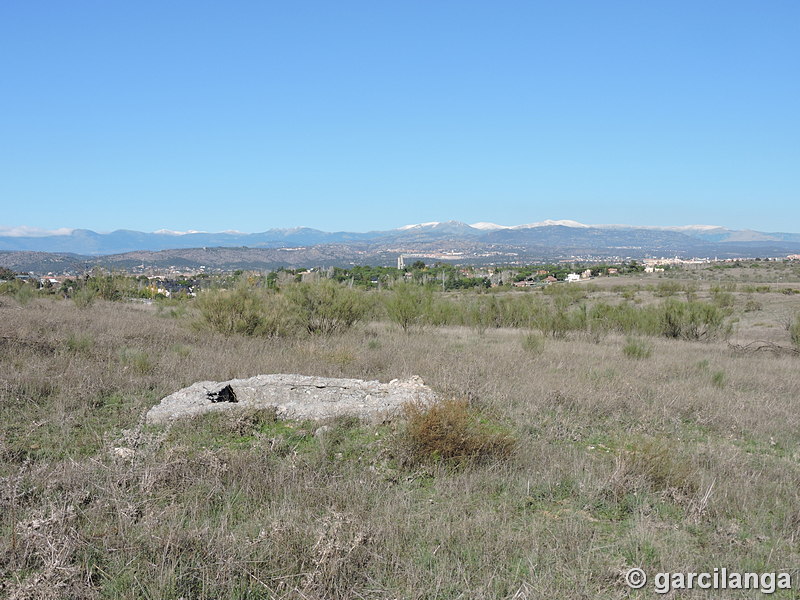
(151, 282)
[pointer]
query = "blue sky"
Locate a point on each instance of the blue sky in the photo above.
(370, 115)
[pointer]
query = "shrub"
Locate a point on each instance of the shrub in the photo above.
(444, 310)
(84, 297)
(452, 431)
(138, 360)
(655, 466)
(78, 344)
(173, 308)
(692, 320)
(408, 305)
(568, 292)
(327, 307)
(667, 288)
(554, 322)
(245, 311)
(752, 305)
(723, 299)
(673, 318)
(110, 286)
(483, 313)
(624, 318)
(533, 343)
(718, 379)
(181, 350)
(794, 332)
(637, 349)
(24, 294)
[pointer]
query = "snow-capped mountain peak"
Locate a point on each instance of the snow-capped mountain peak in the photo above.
(484, 226)
(419, 226)
(171, 232)
(551, 223)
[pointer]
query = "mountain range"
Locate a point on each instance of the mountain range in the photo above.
(91, 243)
(476, 243)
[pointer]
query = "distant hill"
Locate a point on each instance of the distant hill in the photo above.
(79, 249)
(86, 242)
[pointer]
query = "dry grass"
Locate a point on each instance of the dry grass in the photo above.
(451, 431)
(616, 463)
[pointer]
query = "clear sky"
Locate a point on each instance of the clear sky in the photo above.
(346, 115)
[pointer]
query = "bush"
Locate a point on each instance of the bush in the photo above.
(554, 322)
(655, 466)
(794, 332)
(569, 293)
(323, 308)
(752, 305)
(723, 299)
(483, 313)
(624, 318)
(667, 288)
(452, 431)
(637, 349)
(408, 305)
(327, 307)
(79, 344)
(84, 297)
(533, 343)
(24, 294)
(718, 379)
(693, 320)
(173, 308)
(673, 318)
(138, 360)
(245, 311)
(109, 286)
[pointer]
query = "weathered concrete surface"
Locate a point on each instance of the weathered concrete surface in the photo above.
(295, 397)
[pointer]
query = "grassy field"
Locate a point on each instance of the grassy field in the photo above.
(628, 449)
